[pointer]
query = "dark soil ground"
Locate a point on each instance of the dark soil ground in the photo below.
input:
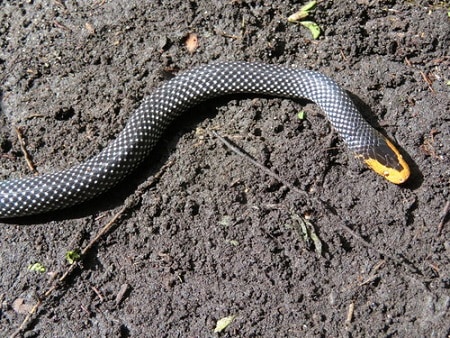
(211, 235)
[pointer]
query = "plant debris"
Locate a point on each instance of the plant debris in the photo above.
(191, 42)
(303, 13)
(38, 267)
(223, 323)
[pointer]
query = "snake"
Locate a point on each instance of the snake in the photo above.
(68, 187)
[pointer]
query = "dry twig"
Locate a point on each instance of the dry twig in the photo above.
(443, 217)
(23, 147)
(114, 221)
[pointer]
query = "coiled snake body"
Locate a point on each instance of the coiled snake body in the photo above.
(33, 195)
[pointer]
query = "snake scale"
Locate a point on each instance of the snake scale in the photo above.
(52, 191)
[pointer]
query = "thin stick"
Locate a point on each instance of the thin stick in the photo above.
(70, 269)
(259, 165)
(443, 217)
(23, 147)
(397, 260)
(129, 203)
(350, 311)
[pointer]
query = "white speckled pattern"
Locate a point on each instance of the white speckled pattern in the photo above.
(20, 197)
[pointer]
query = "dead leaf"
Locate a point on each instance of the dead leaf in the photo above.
(21, 307)
(223, 323)
(89, 28)
(191, 42)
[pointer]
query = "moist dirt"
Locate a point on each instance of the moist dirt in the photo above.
(202, 233)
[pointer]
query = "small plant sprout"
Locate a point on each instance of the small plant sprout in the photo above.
(72, 256)
(37, 267)
(298, 17)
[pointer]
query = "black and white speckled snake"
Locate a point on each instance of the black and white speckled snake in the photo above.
(33, 195)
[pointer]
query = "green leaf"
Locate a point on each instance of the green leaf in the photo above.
(223, 323)
(233, 242)
(313, 28)
(309, 6)
(301, 115)
(38, 267)
(225, 221)
(305, 230)
(72, 256)
(303, 12)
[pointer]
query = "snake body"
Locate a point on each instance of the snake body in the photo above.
(47, 192)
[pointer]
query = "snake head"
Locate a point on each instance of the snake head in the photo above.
(386, 160)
